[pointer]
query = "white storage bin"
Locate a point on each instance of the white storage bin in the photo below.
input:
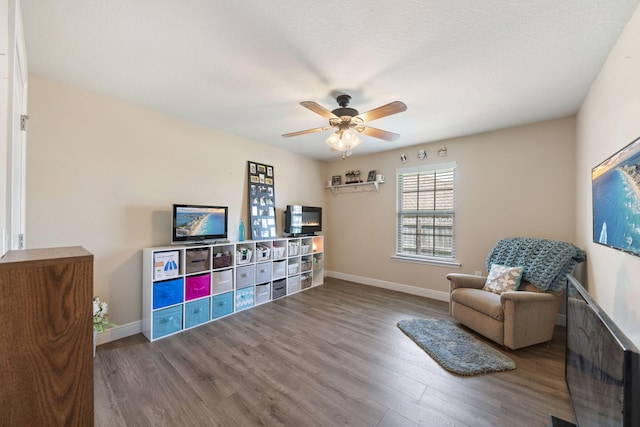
(292, 269)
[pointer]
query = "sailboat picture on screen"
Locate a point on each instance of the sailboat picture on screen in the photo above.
(616, 200)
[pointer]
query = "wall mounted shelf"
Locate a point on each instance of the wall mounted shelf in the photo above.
(356, 187)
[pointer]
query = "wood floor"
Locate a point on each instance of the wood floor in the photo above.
(329, 356)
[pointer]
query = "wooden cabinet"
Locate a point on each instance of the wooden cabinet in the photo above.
(46, 338)
(186, 286)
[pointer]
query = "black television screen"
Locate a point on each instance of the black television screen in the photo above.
(302, 220)
(602, 366)
(616, 200)
(199, 223)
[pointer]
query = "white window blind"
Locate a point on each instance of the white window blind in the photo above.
(426, 212)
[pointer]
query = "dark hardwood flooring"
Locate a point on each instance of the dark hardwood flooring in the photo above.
(329, 356)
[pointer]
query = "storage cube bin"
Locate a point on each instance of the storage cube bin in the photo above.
(304, 249)
(293, 284)
(294, 248)
(221, 260)
(167, 293)
(279, 269)
(305, 265)
(197, 260)
(221, 281)
(196, 312)
(221, 305)
(292, 269)
(244, 298)
(197, 286)
(262, 253)
(262, 293)
(278, 252)
(305, 281)
(263, 272)
(245, 276)
(243, 256)
(167, 321)
(279, 288)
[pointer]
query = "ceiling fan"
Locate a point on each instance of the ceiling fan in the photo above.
(348, 122)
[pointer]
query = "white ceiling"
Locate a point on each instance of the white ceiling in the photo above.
(242, 66)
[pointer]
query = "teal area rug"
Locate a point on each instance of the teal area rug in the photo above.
(455, 350)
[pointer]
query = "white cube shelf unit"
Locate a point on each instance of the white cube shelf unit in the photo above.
(187, 286)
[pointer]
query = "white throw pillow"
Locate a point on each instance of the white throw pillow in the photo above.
(502, 279)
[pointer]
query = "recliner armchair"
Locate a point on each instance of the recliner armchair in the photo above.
(521, 317)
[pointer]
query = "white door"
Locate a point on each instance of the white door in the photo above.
(18, 141)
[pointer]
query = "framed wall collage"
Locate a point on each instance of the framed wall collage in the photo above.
(262, 201)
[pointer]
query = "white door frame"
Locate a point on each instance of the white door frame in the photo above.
(18, 143)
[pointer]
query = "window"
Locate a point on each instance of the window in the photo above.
(425, 213)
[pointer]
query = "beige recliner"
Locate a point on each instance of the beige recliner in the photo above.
(527, 315)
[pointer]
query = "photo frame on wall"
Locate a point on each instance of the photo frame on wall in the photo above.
(262, 202)
(616, 200)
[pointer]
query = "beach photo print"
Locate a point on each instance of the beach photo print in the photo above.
(616, 200)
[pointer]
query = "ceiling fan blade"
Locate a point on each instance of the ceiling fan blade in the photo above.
(386, 110)
(302, 132)
(318, 109)
(379, 133)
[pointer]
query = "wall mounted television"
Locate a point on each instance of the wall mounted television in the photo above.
(199, 224)
(302, 220)
(616, 200)
(602, 366)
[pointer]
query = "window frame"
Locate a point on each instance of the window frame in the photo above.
(451, 168)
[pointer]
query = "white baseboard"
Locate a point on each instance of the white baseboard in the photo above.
(118, 332)
(561, 319)
(400, 287)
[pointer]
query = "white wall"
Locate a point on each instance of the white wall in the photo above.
(609, 119)
(512, 182)
(103, 174)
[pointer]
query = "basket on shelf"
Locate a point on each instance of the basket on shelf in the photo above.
(243, 256)
(305, 281)
(293, 269)
(221, 260)
(262, 253)
(293, 248)
(278, 252)
(304, 249)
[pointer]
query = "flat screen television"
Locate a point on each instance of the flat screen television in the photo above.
(302, 220)
(616, 200)
(199, 224)
(602, 366)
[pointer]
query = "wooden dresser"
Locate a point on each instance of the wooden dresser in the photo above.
(46, 337)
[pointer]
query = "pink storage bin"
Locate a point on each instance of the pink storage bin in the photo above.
(197, 286)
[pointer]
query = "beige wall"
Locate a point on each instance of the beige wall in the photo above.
(103, 174)
(512, 182)
(609, 119)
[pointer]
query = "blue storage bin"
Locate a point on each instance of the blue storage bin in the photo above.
(167, 321)
(168, 292)
(196, 312)
(221, 305)
(244, 298)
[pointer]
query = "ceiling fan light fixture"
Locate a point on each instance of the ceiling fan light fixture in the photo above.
(343, 140)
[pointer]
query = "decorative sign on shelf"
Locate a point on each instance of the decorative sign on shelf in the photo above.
(353, 177)
(262, 201)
